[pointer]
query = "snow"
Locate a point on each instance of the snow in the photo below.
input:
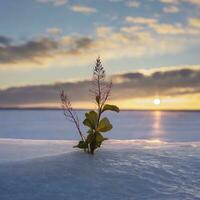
(128, 169)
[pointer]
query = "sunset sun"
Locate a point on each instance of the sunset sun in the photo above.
(156, 101)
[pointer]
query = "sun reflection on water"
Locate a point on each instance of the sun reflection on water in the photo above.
(157, 116)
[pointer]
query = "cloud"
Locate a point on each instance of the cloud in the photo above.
(170, 1)
(131, 29)
(170, 83)
(54, 31)
(141, 37)
(55, 2)
(140, 20)
(83, 9)
(43, 93)
(193, 2)
(35, 51)
(174, 82)
(5, 40)
(128, 44)
(195, 22)
(168, 29)
(30, 50)
(171, 9)
(103, 31)
(133, 4)
(165, 28)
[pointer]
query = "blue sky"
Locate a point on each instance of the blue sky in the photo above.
(26, 20)
(50, 41)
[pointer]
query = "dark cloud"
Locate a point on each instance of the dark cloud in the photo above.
(5, 40)
(129, 85)
(33, 50)
(130, 76)
(172, 82)
(78, 44)
(29, 50)
(43, 93)
(83, 42)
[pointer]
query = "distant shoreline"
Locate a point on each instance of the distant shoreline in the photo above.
(81, 109)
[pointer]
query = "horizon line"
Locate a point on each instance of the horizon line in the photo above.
(84, 109)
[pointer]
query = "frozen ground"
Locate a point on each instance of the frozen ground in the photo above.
(128, 170)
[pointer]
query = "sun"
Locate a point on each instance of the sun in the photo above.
(156, 101)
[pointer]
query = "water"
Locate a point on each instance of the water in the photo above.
(51, 124)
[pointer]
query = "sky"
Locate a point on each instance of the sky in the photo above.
(149, 48)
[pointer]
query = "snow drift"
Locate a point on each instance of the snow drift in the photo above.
(129, 169)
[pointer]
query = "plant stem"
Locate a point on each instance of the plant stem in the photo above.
(77, 125)
(99, 103)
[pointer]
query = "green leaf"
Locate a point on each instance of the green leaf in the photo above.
(104, 125)
(90, 138)
(110, 107)
(90, 131)
(81, 145)
(98, 99)
(86, 122)
(91, 119)
(99, 139)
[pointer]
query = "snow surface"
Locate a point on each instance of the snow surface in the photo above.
(128, 170)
